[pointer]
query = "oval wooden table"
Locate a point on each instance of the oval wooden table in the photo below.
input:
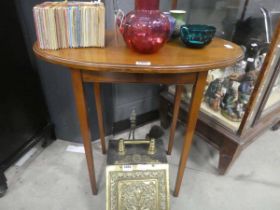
(173, 64)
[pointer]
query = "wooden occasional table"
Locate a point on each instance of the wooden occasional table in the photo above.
(173, 64)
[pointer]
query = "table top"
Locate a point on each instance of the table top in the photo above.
(174, 57)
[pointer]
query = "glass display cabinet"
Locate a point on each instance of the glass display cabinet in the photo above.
(241, 101)
(273, 99)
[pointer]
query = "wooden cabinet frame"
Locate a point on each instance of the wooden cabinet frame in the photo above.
(255, 121)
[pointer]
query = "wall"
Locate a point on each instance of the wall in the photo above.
(56, 83)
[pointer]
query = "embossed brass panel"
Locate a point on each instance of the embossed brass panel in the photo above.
(137, 179)
(137, 187)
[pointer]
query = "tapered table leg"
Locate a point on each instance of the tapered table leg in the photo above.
(96, 87)
(176, 108)
(84, 126)
(197, 95)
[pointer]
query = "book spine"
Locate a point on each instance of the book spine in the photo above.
(66, 26)
(70, 26)
(58, 27)
(37, 26)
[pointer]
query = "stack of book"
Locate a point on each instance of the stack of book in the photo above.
(70, 24)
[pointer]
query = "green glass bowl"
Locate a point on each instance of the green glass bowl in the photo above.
(197, 36)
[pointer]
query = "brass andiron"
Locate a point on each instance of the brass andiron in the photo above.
(131, 138)
(133, 121)
(123, 142)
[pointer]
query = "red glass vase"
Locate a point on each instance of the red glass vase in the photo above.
(145, 29)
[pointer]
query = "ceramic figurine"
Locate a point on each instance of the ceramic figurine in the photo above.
(214, 74)
(239, 88)
(214, 94)
(229, 103)
(246, 87)
(240, 66)
(227, 83)
(239, 110)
